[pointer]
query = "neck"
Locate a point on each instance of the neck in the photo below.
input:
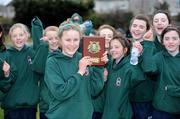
(118, 59)
(174, 53)
(67, 54)
(159, 38)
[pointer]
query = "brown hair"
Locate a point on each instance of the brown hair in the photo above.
(163, 12)
(168, 29)
(2, 39)
(124, 42)
(142, 17)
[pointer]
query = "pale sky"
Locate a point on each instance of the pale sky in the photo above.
(4, 2)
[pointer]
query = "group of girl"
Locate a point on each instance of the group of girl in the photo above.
(71, 88)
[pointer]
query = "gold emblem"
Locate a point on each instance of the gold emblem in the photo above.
(94, 47)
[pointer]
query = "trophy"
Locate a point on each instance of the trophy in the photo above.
(94, 46)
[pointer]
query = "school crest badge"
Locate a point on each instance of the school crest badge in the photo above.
(94, 47)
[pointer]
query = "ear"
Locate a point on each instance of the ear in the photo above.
(125, 51)
(0, 34)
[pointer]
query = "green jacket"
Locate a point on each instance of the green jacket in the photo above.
(168, 80)
(122, 78)
(158, 45)
(24, 93)
(6, 82)
(71, 92)
(39, 61)
(143, 92)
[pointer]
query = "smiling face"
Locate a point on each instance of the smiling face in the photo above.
(160, 22)
(108, 34)
(53, 40)
(70, 42)
(116, 49)
(18, 37)
(171, 41)
(138, 29)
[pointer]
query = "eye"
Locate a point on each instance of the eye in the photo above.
(163, 20)
(156, 20)
(50, 39)
(166, 38)
(175, 38)
(76, 39)
(21, 34)
(134, 25)
(14, 36)
(141, 27)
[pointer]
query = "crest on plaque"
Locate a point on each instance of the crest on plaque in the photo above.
(94, 47)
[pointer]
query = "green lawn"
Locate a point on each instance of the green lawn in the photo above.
(1, 114)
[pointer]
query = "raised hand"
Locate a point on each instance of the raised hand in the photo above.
(6, 69)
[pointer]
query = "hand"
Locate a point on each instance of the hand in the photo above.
(83, 63)
(44, 38)
(148, 36)
(104, 58)
(6, 69)
(138, 46)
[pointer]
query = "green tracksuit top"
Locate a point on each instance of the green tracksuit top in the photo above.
(158, 45)
(122, 78)
(6, 82)
(71, 92)
(39, 61)
(24, 93)
(38, 66)
(167, 95)
(143, 92)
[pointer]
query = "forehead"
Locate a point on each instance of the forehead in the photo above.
(139, 22)
(51, 32)
(160, 15)
(171, 33)
(115, 42)
(71, 33)
(106, 31)
(17, 29)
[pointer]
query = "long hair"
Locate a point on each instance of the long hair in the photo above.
(2, 39)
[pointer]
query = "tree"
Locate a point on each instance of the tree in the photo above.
(51, 12)
(161, 6)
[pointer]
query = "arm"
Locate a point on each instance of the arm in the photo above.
(97, 80)
(7, 80)
(37, 31)
(61, 89)
(149, 62)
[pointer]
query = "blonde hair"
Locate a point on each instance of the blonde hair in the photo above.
(66, 26)
(21, 26)
(51, 28)
(106, 26)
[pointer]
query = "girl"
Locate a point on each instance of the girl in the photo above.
(7, 73)
(70, 81)
(21, 100)
(142, 95)
(161, 20)
(165, 65)
(108, 32)
(122, 78)
(49, 43)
